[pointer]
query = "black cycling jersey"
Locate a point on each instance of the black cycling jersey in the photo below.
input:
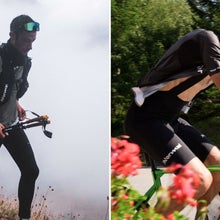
(153, 119)
(197, 52)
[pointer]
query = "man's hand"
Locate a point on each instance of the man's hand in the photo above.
(2, 134)
(21, 112)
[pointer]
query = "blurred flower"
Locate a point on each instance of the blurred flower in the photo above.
(184, 184)
(170, 217)
(124, 162)
(124, 157)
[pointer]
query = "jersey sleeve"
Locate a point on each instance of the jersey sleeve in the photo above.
(210, 52)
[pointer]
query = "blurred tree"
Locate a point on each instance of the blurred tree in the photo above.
(206, 14)
(141, 31)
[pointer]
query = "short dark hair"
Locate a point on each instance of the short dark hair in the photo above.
(18, 23)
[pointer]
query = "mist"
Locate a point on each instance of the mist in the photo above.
(69, 81)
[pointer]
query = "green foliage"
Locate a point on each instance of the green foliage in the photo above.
(205, 114)
(141, 31)
(206, 105)
(206, 14)
(124, 197)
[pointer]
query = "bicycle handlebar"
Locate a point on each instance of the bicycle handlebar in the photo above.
(30, 123)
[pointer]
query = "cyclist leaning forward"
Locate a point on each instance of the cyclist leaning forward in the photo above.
(191, 65)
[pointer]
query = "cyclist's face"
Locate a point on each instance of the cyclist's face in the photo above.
(23, 41)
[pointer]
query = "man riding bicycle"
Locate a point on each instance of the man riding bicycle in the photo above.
(189, 66)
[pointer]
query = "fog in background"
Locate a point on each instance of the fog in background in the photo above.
(69, 81)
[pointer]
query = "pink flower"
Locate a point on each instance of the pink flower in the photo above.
(124, 196)
(172, 168)
(124, 157)
(170, 217)
(184, 184)
(127, 216)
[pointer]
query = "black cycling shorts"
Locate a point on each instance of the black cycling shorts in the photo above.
(159, 131)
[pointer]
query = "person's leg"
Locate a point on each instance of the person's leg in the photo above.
(163, 144)
(212, 159)
(206, 180)
(207, 153)
(20, 149)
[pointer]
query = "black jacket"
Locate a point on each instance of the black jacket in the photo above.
(195, 53)
(11, 60)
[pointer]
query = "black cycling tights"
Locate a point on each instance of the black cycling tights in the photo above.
(20, 149)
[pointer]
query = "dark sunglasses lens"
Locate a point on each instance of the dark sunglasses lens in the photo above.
(32, 26)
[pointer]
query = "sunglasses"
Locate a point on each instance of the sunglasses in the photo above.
(32, 26)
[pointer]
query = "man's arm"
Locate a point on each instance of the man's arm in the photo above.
(216, 79)
(21, 112)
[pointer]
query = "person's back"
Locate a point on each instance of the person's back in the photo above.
(197, 53)
(185, 57)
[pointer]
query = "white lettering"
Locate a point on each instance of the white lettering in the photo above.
(165, 159)
(4, 93)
